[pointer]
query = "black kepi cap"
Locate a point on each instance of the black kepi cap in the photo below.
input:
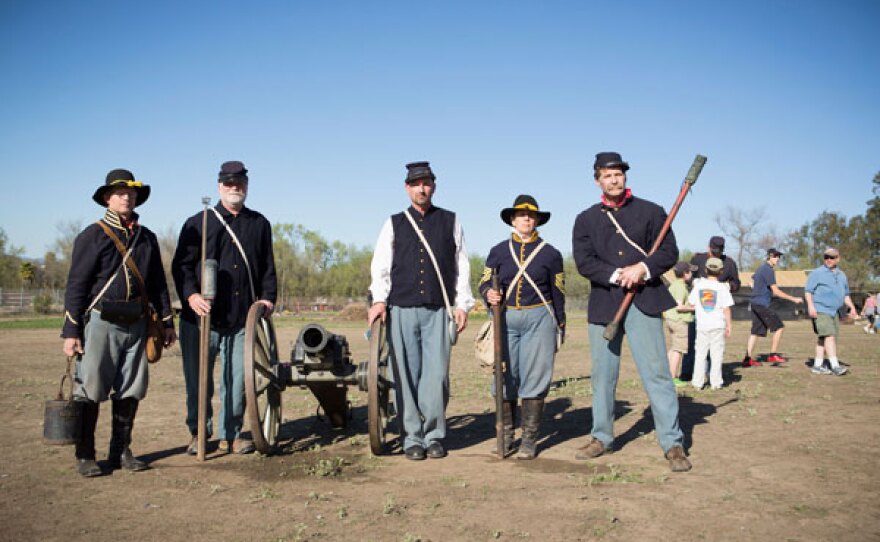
(232, 172)
(418, 170)
(609, 160)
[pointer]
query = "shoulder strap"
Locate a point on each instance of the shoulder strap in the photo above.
(433, 261)
(625, 236)
(522, 271)
(522, 268)
(126, 261)
(240, 249)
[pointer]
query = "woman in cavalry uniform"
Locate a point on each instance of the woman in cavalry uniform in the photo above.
(533, 295)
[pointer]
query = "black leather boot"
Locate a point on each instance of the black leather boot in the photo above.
(533, 409)
(120, 456)
(85, 446)
(508, 419)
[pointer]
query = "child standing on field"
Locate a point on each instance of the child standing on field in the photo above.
(712, 301)
(678, 319)
(869, 311)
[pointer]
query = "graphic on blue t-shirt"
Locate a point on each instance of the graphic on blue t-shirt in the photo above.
(708, 300)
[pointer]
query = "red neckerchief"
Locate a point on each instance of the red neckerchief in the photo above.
(130, 223)
(627, 195)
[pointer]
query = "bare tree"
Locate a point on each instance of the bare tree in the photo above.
(67, 232)
(167, 239)
(744, 229)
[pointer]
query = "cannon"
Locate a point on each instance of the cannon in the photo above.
(321, 362)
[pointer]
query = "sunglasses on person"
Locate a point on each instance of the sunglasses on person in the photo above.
(830, 257)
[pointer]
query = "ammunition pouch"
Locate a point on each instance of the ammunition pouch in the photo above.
(122, 313)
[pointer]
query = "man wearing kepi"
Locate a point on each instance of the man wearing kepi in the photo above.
(105, 320)
(610, 243)
(826, 290)
(730, 273)
(240, 239)
(417, 297)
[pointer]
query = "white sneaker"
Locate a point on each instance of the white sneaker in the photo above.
(840, 370)
(820, 370)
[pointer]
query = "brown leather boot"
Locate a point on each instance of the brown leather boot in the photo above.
(85, 446)
(678, 462)
(120, 456)
(533, 409)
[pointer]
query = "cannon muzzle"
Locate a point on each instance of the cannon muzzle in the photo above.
(317, 349)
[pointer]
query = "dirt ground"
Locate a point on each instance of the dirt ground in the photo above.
(778, 454)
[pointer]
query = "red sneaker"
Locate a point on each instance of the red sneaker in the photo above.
(749, 361)
(776, 358)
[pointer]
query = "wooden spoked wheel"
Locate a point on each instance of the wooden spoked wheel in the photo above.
(380, 387)
(262, 386)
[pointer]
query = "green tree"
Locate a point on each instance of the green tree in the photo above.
(10, 261)
(806, 245)
(54, 275)
(872, 228)
(577, 288)
(308, 266)
(57, 266)
(27, 272)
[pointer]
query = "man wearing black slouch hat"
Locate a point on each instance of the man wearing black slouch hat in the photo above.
(116, 269)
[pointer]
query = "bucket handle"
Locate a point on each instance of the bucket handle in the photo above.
(69, 377)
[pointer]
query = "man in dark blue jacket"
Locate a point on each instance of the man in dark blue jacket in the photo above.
(105, 320)
(240, 239)
(610, 242)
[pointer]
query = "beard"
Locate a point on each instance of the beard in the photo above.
(233, 200)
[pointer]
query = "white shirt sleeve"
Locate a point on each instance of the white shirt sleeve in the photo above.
(380, 267)
(464, 299)
(725, 298)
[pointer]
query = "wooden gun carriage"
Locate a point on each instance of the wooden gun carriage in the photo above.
(320, 361)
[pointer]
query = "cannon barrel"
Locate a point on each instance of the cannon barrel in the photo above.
(316, 349)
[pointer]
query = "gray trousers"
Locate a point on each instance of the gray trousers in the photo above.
(420, 349)
(531, 349)
(114, 361)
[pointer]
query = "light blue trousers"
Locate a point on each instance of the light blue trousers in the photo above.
(531, 351)
(648, 345)
(230, 346)
(113, 361)
(420, 349)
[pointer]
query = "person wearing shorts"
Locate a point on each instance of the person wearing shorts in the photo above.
(678, 319)
(764, 319)
(826, 290)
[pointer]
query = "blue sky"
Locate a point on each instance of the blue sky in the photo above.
(326, 101)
